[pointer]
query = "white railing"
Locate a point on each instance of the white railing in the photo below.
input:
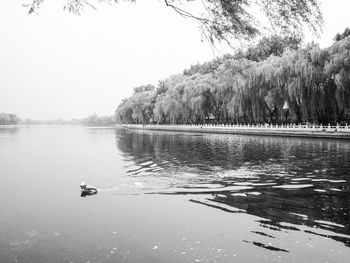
(286, 127)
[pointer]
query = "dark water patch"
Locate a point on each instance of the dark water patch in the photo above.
(225, 209)
(262, 234)
(266, 246)
(343, 239)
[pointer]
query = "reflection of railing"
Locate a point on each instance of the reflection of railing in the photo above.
(324, 131)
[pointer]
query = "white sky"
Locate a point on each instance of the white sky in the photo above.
(57, 65)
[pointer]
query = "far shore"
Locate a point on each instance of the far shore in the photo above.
(55, 124)
(330, 132)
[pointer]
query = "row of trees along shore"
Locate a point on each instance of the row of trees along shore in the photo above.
(91, 120)
(276, 81)
(8, 119)
(95, 120)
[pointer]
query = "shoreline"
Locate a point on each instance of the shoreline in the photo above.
(328, 132)
(8, 126)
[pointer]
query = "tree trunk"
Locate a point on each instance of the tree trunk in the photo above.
(286, 116)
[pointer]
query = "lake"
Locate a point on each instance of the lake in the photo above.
(171, 197)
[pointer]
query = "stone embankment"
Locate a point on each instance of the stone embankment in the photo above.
(307, 131)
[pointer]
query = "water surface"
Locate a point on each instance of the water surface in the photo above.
(171, 197)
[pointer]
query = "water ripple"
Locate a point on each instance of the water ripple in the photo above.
(291, 184)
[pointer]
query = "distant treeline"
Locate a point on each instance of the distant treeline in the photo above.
(8, 119)
(275, 81)
(92, 120)
(51, 122)
(95, 120)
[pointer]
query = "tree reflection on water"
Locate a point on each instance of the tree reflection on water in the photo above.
(290, 184)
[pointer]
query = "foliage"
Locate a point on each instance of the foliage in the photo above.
(343, 35)
(282, 83)
(273, 45)
(94, 120)
(8, 119)
(224, 19)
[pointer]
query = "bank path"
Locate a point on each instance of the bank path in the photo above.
(291, 130)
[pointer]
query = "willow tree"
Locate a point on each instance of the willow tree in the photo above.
(142, 103)
(124, 112)
(159, 113)
(341, 36)
(291, 77)
(223, 20)
(169, 106)
(234, 74)
(221, 92)
(299, 86)
(198, 97)
(272, 76)
(271, 45)
(338, 70)
(316, 88)
(318, 58)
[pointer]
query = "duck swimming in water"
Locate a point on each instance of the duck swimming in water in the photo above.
(87, 189)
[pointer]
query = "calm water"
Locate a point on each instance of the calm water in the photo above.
(171, 197)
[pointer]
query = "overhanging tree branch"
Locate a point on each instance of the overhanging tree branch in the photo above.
(227, 19)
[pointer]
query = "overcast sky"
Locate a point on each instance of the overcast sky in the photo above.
(57, 65)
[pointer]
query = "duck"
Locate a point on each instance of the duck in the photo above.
(87, 189)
